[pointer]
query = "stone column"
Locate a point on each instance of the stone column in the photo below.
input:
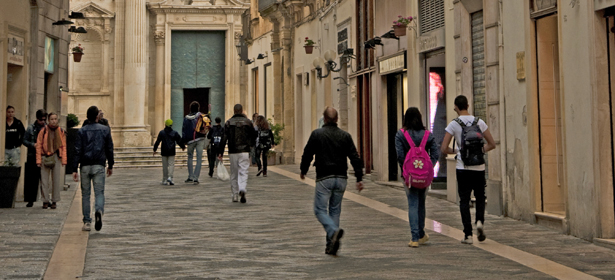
(118, 74)
(277, 73)
(159, 106)
(106, 61)
(288, 96)
(134, 130)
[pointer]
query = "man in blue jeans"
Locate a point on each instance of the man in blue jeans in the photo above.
(93, 149)
(332, 146)
(195, 139)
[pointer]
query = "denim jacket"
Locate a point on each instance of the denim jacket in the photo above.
(403, 147)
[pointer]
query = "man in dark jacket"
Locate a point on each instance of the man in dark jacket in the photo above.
(215, 140)
(168, 137)
(13, 138)
(33, 172)
(241, 136)
(332, 146)
(93, 148)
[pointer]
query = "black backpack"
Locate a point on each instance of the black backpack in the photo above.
(216, 135)
(471, 145)
(264, 139)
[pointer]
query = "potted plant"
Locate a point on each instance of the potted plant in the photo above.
(400, 25)
(309, 45)
(9, 177)
(77, 53)
(71, 135)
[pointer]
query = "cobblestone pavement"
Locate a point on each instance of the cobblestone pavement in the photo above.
(195, 232)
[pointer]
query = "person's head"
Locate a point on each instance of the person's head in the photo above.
(168, 122)
(195, 107)
(41, 117)
(461, 103)
(53, 119)
(254, 116)
(218, 120)
(261, 122)
(101, 114)
(413, 119)
(330, 115)
(10, 112)
(92, 114)
(238, 109)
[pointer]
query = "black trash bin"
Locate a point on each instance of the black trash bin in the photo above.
(9, 177)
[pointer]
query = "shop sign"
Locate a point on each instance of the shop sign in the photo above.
(603, 4)
(392, 64)
(431, 41)
(16, 50)
(49, 54)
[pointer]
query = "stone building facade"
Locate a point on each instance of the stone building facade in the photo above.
(34, 59)
(145, 61)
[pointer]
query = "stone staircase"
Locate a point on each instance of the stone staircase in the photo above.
(142, 157)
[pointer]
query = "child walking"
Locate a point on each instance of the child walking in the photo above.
(169, 138)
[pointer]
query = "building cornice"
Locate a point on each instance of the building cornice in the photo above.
(175, 9)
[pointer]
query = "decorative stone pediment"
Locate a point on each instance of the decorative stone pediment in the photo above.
(93, 10)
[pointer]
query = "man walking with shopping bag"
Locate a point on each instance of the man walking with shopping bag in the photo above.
(241, 136)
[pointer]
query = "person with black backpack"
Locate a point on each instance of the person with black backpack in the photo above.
(215, 142)
(264, 142)
(470, 133)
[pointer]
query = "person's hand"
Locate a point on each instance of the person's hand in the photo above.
(109, 172)
(359, 186)
(155, 153)
(220, 157)
(63, 165)
(302, 176)
(183, 149)
(75, 177)
(39, 165)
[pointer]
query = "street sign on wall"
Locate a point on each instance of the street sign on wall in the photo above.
(15, 50)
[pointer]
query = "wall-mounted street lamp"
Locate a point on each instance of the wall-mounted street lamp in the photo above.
(329, 62)
(261, 56)
(249, 61)
(75, 29)
(62, 22)
(371, 43)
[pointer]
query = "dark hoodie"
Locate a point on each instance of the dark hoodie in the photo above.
(14, 134)
(168, 137)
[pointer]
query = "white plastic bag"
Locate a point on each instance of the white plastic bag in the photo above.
(222, 173)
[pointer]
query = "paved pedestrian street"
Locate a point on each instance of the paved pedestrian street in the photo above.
(151, 231)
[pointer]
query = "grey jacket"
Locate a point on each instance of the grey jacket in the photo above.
(403, 147)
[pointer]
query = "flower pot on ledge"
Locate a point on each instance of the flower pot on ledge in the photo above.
(309, 49)
(400, 30)
(77, 57)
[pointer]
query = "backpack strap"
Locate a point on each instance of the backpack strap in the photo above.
(475, 122)
(457, 120)
(408, 138)
(425, 138)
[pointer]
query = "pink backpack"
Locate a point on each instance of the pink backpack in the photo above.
(417, 169)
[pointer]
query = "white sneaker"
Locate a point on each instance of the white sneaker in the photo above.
(235, 197)
(481, 233)
(467, 240)
(164, 182)
(170, 181)
(86, 227)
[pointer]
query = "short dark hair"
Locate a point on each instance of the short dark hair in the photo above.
(413, 120)
(330, 115)
(92, 114)
(238, 109)
(194, 106)
(40, 113)
(461, 102)
(10, 107)
(218, 120)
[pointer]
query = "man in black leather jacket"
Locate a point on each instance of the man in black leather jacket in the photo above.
(332, 146)
(93, 148)
(241, 136)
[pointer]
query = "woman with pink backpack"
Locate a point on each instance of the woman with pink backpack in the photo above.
(417, 152)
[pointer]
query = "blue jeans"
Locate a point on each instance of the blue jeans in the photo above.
(194, 174)
(329, 194)
(92, 175)
(416, 212)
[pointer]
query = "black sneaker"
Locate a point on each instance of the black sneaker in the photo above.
(260, 171)
(243, 197)
(189, 181)
(335, 241)
(196, 182)
(98, 218)
(30, 204)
